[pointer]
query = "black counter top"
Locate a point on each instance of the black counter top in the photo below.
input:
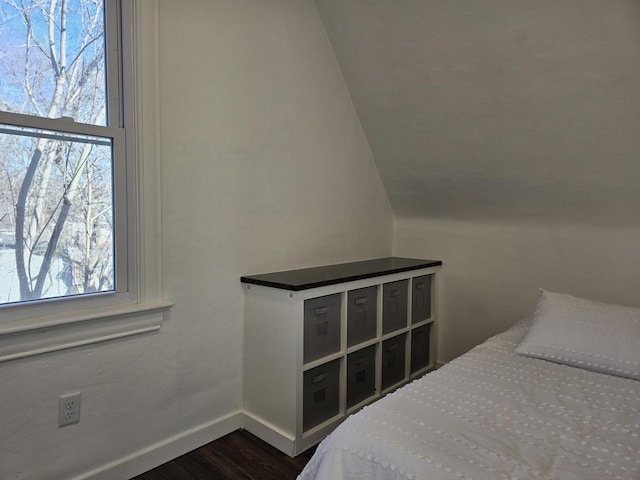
(306, 278)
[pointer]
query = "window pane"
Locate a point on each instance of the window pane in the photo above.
(52, 63)
(56, 214)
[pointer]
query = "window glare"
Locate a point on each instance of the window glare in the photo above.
(37, 80)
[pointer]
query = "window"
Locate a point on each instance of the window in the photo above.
(75, 77)
(64, 195)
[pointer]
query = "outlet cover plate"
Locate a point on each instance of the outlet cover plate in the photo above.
(69, 409)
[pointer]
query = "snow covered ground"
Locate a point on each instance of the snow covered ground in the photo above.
(9, 286)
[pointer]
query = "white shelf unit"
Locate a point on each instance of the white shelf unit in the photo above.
(274, 366)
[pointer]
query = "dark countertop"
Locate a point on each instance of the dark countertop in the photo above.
(307, 278)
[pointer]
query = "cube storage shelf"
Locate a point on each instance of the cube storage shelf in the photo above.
(320, 343)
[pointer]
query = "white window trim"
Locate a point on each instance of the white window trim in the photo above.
(60, 332)
(43, 333)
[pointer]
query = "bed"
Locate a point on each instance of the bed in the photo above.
(556, 396)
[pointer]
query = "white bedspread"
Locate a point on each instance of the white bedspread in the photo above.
(491, 414)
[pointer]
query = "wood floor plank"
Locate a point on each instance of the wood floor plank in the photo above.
(168, 471)
(257, 459)
(237, 456)
(214, 457)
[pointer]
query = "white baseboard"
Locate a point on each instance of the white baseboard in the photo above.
(269, 433)
(162, 452)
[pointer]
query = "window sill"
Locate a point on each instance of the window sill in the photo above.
(26, 338)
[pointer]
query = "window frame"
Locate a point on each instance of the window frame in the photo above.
(135, 306)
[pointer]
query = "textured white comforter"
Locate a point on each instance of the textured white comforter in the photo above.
(492, 414)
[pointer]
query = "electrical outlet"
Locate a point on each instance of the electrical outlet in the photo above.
(69, 409)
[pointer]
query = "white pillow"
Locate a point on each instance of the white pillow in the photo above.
(592, 335)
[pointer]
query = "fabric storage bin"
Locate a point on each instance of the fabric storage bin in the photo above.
(420, 347)
(361, 375)
(361, 314)
(393, 360)
(421, 298)
(394, 304)
(321, 326)
(321, 394)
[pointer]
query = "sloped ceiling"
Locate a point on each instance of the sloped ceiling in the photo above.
(497, 109)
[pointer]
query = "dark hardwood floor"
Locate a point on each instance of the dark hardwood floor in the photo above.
(239, 455)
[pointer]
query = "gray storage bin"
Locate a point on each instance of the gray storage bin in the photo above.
(321, 394)
(421, 298)
(394, 304)
(420, 347)
(361, 314)
(361, 375)
(393, 361)
(321, 326)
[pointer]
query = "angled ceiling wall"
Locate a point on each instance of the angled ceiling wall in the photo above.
(497, 109)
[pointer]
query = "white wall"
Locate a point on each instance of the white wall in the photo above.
(506, 133)
(492, 271)
(500, 109)
(264, 166)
